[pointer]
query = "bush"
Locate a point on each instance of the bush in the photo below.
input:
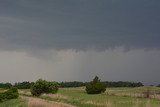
(43, 86)
(12, 93)
(95, 86)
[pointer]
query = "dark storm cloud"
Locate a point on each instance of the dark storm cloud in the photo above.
(47, 38)
(79, 24)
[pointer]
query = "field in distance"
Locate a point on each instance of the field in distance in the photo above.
(113, 97)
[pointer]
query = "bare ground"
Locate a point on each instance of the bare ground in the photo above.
(37, 102)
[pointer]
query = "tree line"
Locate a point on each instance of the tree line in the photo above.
(5, 85)
(42, 86)
(27, 84)
(123, 84)
(107, 84)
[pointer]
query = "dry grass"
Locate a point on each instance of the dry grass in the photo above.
(37, 102)
(140, 92)
(56, 96)
(24, 92)
(155, 96)
(106, 104)
(137, 103)
(136, 95)
(2, 90)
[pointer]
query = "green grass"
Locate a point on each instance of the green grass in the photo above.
(13, 103)
(80, 96)
(113, 97)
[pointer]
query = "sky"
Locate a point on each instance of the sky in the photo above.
(75, 40)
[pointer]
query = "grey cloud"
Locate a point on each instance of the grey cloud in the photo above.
(71, 38)
(79, 25)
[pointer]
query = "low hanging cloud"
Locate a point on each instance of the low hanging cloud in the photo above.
(69, 65)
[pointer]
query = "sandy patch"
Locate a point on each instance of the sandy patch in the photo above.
(37, 102)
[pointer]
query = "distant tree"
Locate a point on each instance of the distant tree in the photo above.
(23, 85)
(158, 85)
(43, 86)
(123, 84)
(71, 84)
(95, 86)
(5, 85)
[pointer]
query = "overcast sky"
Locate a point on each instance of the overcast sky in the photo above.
(74, 40)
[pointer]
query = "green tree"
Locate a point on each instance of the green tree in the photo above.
(43, 86)
(95, 86)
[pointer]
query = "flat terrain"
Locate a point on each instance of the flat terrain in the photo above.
(14, 103)
(113, 97)
(2, 90)
(77, 97)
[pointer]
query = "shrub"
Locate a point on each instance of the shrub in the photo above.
(95, 86)
(43, 86)
(12, 93)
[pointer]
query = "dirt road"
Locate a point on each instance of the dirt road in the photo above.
(37, 102)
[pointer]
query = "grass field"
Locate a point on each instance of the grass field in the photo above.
(14, 103)
(111, 100)
(113, 97)
(2, 90)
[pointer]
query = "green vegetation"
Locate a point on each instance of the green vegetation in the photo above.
(11, 93)
(43, 86)
(71, 84)
(79, 98)
(5, 85)
(123, 84)
(14, 103)
(27, 84)
(113, 97)
(95, 86)
(98, 95)
(23, 85)
(107, 83)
